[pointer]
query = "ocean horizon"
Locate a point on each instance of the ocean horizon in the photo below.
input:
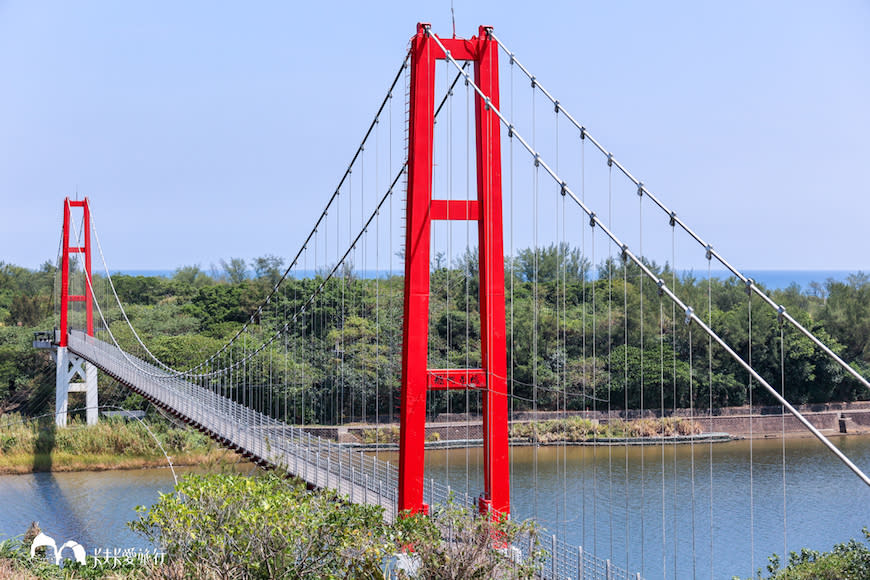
(771, 279)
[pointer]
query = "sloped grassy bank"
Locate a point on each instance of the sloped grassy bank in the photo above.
(38, 445)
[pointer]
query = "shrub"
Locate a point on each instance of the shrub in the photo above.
(232, 526)
(847, 561)
(454, 543)
(578, 429)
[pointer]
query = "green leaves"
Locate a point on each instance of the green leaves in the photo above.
(263, 527)
(232, 526)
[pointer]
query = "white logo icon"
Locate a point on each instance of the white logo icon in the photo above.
(41, 540)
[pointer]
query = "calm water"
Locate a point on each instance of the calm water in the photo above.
(91, 508)
(651, 500)
(606, 498)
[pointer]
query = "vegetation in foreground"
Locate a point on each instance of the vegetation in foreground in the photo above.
(847, 561)
(232, 526)
(38, 445)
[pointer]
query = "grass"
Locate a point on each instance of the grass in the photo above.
(388, 435)
(571, 429)
(576, 429)
(38, 445)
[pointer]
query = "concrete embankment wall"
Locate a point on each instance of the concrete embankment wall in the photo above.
(854, 417)
(760, 422)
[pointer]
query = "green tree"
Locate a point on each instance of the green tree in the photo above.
(552, 263)
(236, 270)
(269, 268)
(192, 276)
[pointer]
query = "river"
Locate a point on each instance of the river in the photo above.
(651, 489)
(612, 497)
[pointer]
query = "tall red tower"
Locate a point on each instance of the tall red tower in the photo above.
(486, 210)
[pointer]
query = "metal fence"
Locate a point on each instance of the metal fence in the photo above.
(320, 462)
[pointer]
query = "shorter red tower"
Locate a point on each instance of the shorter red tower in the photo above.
(85, 248)
(74, 374)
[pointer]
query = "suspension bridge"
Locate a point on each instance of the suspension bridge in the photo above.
(482, 257)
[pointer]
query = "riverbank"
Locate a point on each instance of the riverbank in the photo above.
(60, 461)
(739, 422)
(28, 446)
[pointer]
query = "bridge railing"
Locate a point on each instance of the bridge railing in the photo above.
(322, 463)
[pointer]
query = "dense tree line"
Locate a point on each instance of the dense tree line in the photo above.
(578, 336)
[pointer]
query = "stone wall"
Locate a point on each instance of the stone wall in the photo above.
(854, 417)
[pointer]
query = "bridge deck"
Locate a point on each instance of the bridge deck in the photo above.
(319, 462)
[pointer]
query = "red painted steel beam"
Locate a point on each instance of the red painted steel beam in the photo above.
(89, 296)
(454, 209)
(491, 260)
(456, 379)
(64, 274)
(412, 433)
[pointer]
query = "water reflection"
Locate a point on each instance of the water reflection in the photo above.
(90, 507)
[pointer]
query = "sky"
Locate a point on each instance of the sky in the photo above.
(204, 130)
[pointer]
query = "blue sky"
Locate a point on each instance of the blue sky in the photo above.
(204, 130)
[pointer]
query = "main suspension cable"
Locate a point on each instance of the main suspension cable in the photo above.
(675, 220)
(689, 312)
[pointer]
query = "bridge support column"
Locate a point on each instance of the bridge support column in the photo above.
(69, 368)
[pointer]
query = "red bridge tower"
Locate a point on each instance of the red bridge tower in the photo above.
(486, 210)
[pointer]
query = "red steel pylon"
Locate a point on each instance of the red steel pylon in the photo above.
(486, 210)
(85, 248)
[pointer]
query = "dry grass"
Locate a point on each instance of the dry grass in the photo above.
(380, 435)
(28, 463)
(576, 429)
(9, 570)
(27, 446)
